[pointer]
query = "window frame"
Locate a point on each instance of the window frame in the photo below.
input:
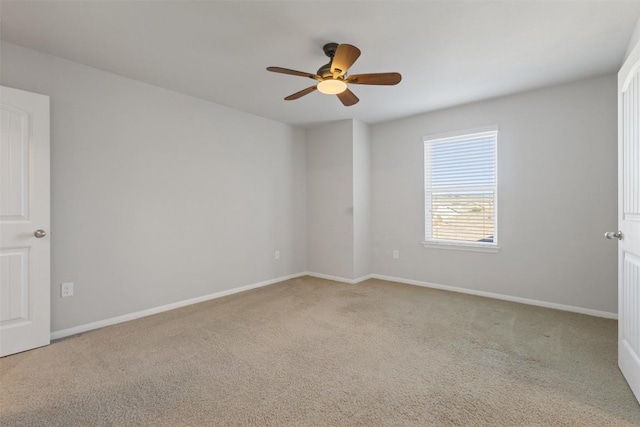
(430, 242)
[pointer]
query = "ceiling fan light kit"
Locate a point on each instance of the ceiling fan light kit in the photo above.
(332, 87)
(332, 77)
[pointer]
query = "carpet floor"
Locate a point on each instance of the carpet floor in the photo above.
(312, 352)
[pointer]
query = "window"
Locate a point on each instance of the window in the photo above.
(461, 190)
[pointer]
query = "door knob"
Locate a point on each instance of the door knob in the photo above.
(40, 234)
(613, 235)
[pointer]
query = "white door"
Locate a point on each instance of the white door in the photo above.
(25, 290)
(629, 220)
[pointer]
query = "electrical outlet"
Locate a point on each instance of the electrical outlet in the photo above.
(66, 289)
(277, 255)
(396, 254)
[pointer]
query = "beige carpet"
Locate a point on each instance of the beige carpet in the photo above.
(311, 352)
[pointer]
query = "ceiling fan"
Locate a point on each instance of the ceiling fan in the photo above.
(332, 77)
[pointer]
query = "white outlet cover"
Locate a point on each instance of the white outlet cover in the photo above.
(66, 289)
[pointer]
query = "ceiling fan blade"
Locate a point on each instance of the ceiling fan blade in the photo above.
(375, 79)
(348, 98)
(343, 59)
(293, 72)
(300, 94)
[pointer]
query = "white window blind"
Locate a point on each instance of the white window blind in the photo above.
(461, 189)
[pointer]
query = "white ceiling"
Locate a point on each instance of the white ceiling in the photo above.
(449, 52)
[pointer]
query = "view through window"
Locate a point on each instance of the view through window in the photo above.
(460, 189)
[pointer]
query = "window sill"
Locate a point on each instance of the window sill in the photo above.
(462, 247)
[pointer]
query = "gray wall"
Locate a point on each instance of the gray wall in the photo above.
(159, 197)
(339, 199)
(330, 199)
(635, 38)
(361, 199)
(556, 197)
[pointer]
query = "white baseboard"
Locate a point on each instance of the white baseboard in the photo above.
(148, 312)
(563, 307)
(337, 278)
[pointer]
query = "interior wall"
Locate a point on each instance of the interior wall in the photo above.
(361, 200)
(635, 39)
(159, 197)
(330, 199)
(557, 195)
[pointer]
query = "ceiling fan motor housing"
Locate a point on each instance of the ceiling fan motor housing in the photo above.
(325, 71)
(329, 50)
